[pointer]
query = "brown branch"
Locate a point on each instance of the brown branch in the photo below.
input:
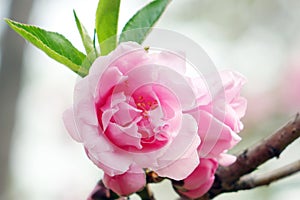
(252, 180)
(250, 159)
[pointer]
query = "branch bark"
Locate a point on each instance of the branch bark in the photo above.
(253, 180)
(227, 177)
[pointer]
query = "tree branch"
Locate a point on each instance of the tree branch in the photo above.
(251, 181)
(250, 159)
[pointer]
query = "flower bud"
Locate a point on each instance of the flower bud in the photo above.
(199, 181)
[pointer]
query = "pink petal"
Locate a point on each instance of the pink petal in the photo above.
(102, 63)
(124, 137)
(193, 194)
(181, 168)
(69, 121)
(204, 171)
(126, 114)
(174, 60)
(239, 105)
(106, 117)
(225, 159)
(103, 153)
(181, 157)
(84, 104)
(112, 163)
(128, 56)
(216, 136)
(201, 90)
(109, 79)
(201, 180)
(127, 183)
(163, 76)
(94, 139)
(233, 82)
(107, 169)
(107, 111)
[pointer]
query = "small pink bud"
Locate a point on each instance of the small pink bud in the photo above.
(127, 183)
(199, 181)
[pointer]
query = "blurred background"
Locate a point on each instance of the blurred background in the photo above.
(38, 160)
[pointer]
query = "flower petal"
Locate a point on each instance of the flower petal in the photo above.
(201, 180)
(69, 121)
(181, 158)
(225, 159)
(174, 60)
(216, 137)
(84, 104)
(124, 137)
(204, 171)
(233, 82)
(164, 76)
(127, 183)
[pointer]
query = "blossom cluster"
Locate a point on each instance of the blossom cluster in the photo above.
(138, 110)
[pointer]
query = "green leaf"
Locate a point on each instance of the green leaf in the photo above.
(88, 43)
(86, 39)
(139, 26)
(53, 44)
(107, 24)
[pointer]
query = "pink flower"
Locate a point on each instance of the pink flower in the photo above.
(139, 109)
(219, 118)
(200, 181)
(127, 183)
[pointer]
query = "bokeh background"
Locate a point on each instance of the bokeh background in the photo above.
(39, 161)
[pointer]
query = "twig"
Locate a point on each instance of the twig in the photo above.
(251, 181)
(250, 159)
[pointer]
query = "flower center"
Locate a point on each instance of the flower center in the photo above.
(153, 125)
(146, 105)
